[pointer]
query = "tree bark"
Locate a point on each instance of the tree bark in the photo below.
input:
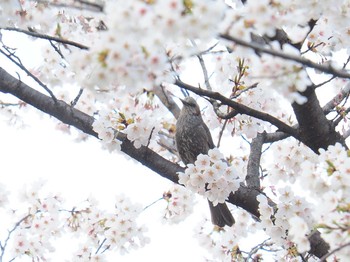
(315, 130)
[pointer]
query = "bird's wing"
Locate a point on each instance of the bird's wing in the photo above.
(209, 138)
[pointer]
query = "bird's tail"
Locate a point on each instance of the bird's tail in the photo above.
(221, 215)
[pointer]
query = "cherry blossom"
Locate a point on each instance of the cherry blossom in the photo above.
(180, 204)
(213, 178)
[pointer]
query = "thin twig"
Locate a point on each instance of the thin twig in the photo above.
(107, 247)
(97, 6)
(21, 66)
(47, 37)
(56, 49)
(222, 132)
(333, 77)
(150, 137)
(3, 247)
(334, 251)
(100, 246)
(204, 68)
(152, 203)
(336, 100)
(306, 62)
(245, 90)
(4, 104)
(312, 48)
(325, 82)
(167, 141)
(340, 116)
(81, 4)
(76, 99)
(258, 247)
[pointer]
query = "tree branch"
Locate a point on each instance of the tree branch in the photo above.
(77, 4)
(71, 116)
(335, 101)
(258, 48)
(167, 99)
(252, 178)
(322, 259)
(276, 136)
(18, 63)
(46, 37)
(242, 109)
(244, 197)
(9, 233)
(204, 68)
(316, 131)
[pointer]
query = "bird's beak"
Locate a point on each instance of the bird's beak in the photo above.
(183, 101)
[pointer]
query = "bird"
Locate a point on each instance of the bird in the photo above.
(192, 137)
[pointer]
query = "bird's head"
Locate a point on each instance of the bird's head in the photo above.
(190, 106)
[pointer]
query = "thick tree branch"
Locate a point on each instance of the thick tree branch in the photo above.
(316, 131)
(328, 69)
(71, 116)
(58, 108)
(276, 136)
(244, 197)
(252, 178)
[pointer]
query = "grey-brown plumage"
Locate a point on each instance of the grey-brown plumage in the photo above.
(193, 138)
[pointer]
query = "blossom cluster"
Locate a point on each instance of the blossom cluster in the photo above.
(254, 88)
(139, 122)
(37, 224)
(328, 182)
(224, 244)
(118, 230)
(130, 44)
(324, 180)
(180, 202)
(210, 176)
(292, 219)
(39, 221)
(287, 79)
(140, 49)
(291, 155)
(260, 18)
